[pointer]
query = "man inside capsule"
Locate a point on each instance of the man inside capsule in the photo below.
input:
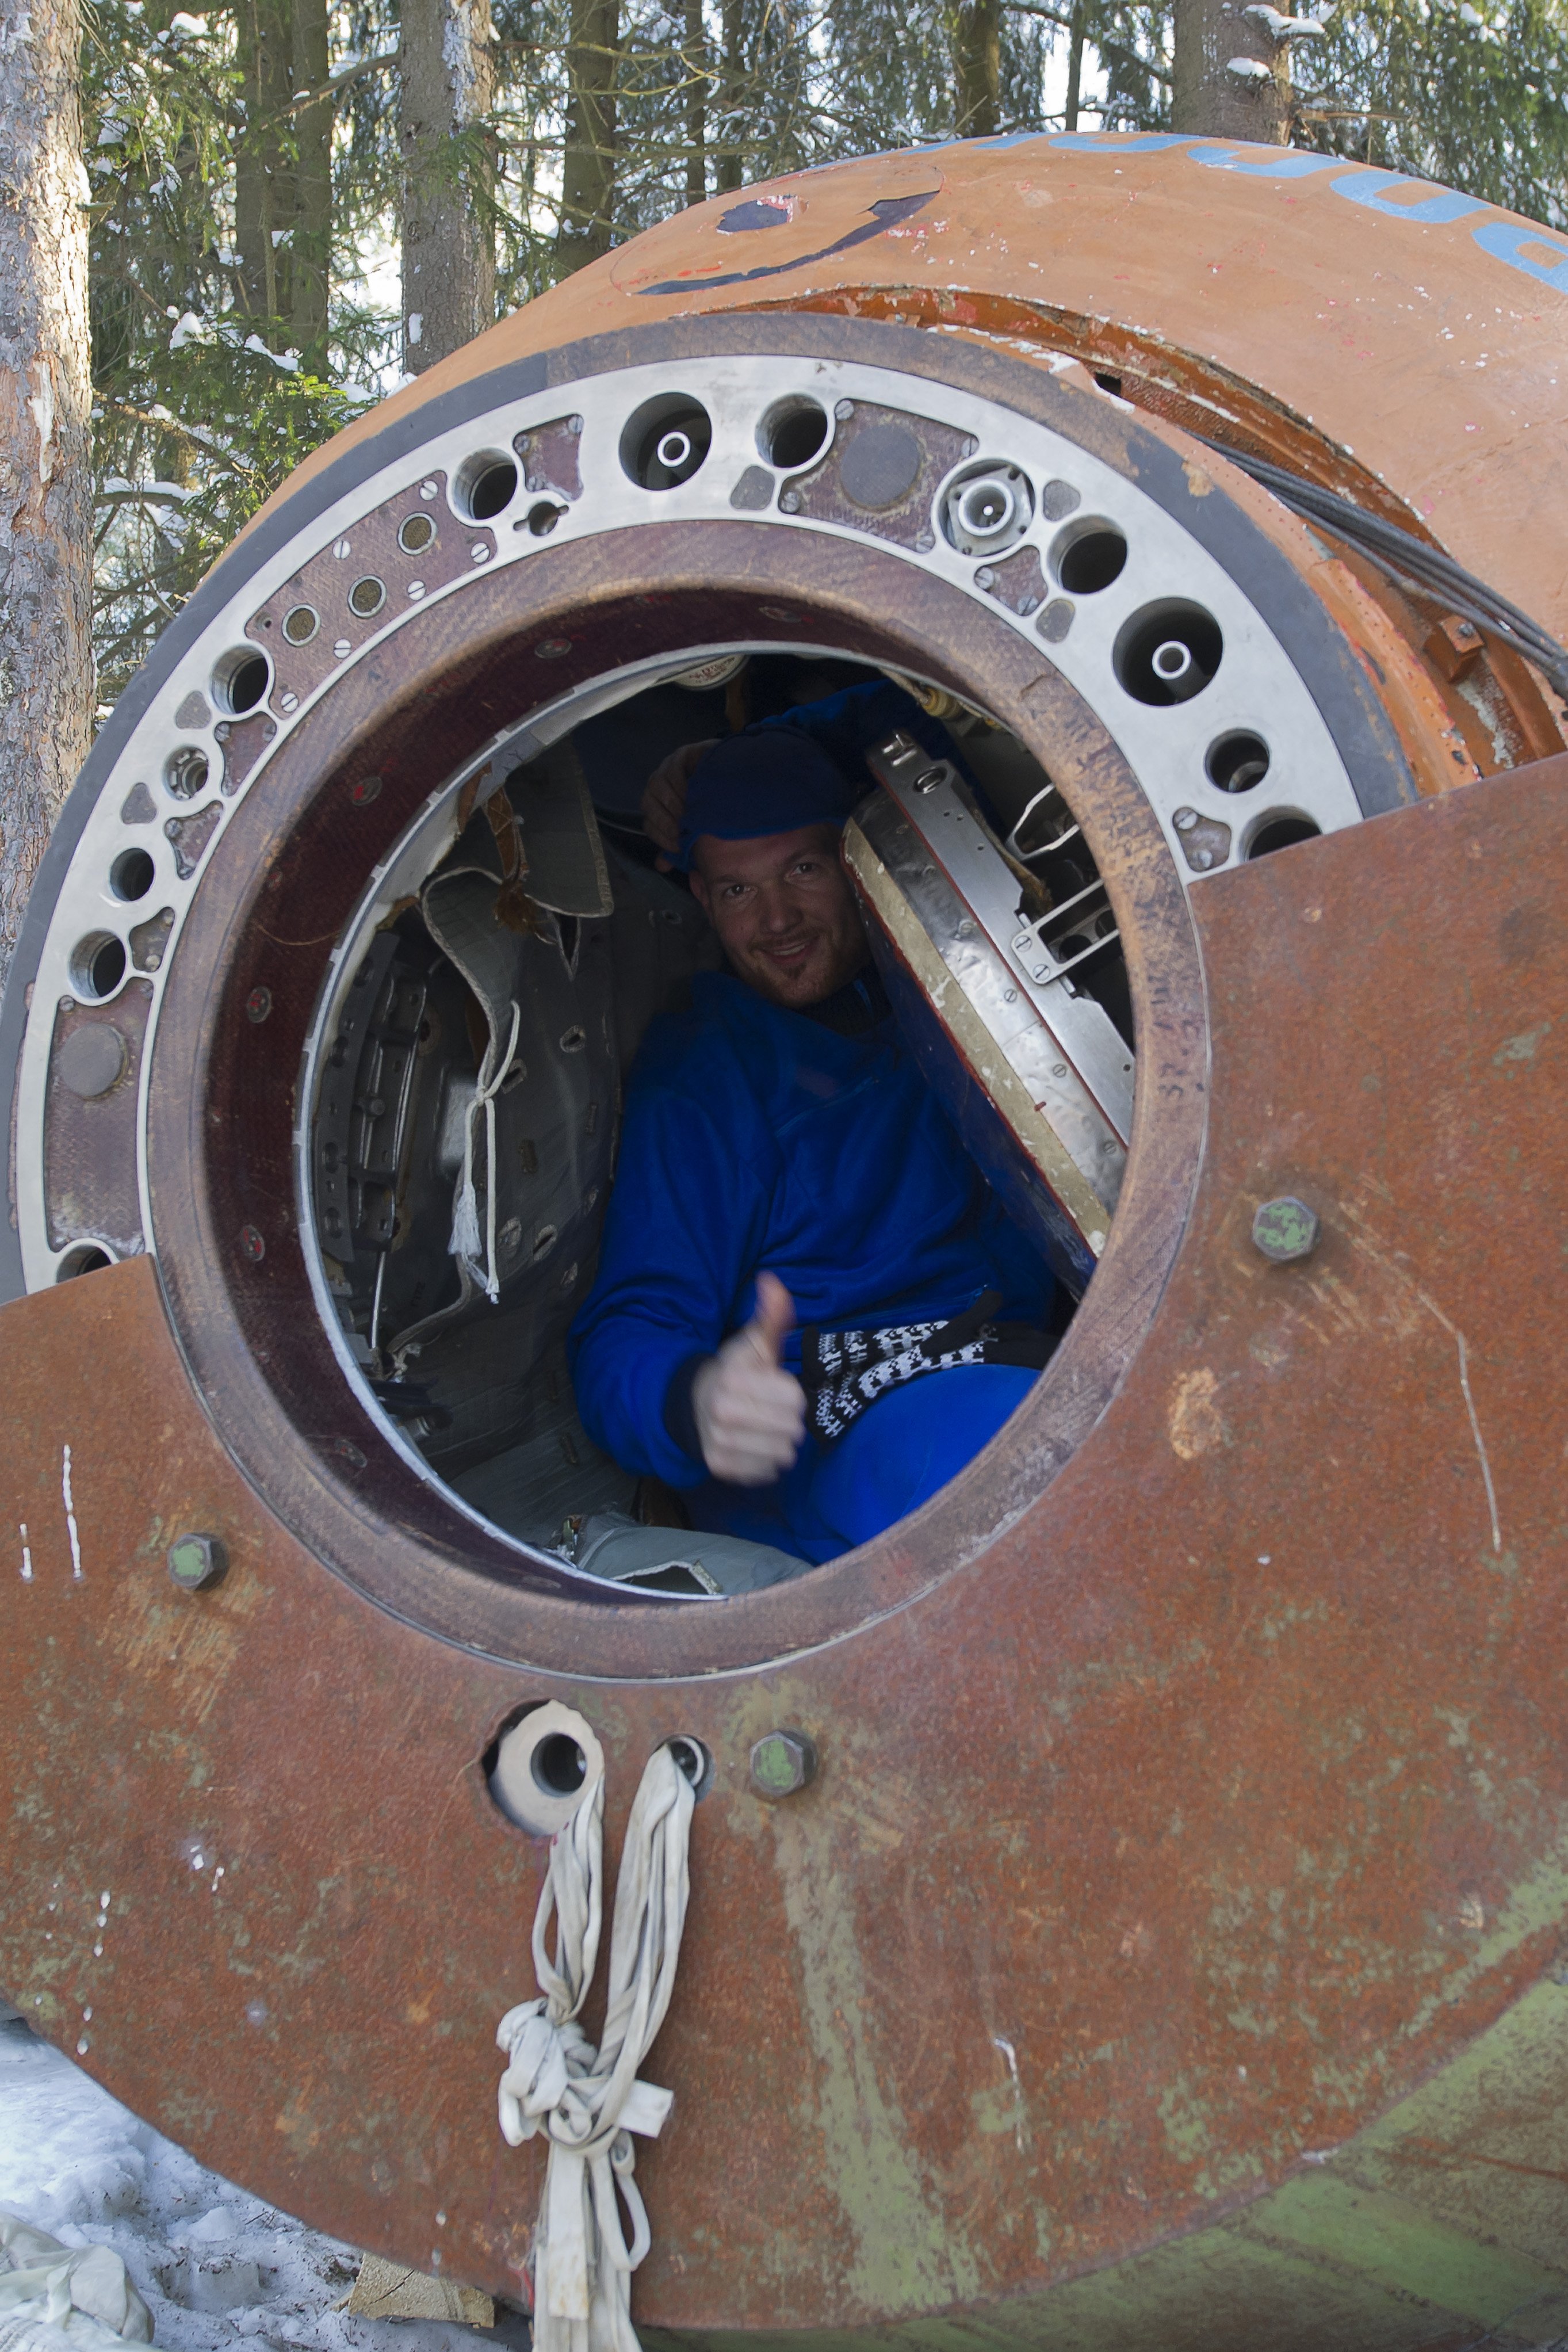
(810, 1312)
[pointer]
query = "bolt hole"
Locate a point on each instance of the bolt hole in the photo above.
(240, 680)
(1167, 653)
(1237, 763)
(791, 432)
(186, 771)
(485, 484)
(85, 1258)
(98, 967)
(1089, 557)
(560, 1766)
(665, 441)
(693, 1759)
(1281, 833)
(131, 875)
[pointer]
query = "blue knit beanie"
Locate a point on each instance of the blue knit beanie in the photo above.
(768, 780)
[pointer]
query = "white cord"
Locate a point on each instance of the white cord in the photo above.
(464, 1242)
(589, 2102)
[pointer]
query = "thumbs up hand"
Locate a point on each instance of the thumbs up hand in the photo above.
(750, 1414)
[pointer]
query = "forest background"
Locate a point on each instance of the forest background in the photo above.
(225, 231)
(257, 171)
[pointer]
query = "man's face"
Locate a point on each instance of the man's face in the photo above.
(784, 911)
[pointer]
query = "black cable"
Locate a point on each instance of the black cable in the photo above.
(1398, 552)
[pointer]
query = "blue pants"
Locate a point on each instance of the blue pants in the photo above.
(900, 1453)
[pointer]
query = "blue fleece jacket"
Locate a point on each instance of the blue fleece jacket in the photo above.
(759, 1139)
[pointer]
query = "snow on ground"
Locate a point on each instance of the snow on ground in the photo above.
(218, 2268)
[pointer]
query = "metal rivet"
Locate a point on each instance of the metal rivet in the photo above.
(195, 1561)
(1285, 1229)
(258, 1004)
(783, 1762)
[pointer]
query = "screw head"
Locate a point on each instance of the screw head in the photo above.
(1285, 1229)
(195, 1561)
(782, 1763)
(258, 1004)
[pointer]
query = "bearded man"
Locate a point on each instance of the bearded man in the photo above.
(783, 1165)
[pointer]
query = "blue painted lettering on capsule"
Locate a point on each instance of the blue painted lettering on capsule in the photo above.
(1099, 143)
(1376, 191)
(1264, 163)
(1506, 239)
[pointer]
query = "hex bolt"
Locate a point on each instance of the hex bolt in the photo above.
(782, 1763)
(1285, 1229)
(196, 1561)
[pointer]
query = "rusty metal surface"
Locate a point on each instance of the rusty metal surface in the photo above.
(89, 1140)
(1214, 1805)
(1325, 313)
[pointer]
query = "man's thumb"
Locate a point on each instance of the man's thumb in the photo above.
(772, 1318)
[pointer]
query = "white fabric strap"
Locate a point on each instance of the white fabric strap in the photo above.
(464, 1242)
(56, 2297)
(589, 2102)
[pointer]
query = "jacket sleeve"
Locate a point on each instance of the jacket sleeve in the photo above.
(848, 723)
(686, 1221)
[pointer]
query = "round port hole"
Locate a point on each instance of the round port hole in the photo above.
(1282, 832)
(131, 875)
(1167, 653)
(1237, 762)
(1089, 557)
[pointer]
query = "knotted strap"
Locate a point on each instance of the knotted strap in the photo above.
(589, 2102)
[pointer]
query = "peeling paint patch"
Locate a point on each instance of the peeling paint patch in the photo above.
(907, 2256)
(1521, 1048)
(70, 1513)
(1196, 1422)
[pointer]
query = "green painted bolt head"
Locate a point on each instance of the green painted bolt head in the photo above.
(1285, 1230)
(782, 1763)
(196, 1561)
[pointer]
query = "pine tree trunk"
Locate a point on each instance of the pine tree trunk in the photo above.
(310, 255)
(587, 169)
(695, 54)
(1075, 68)
(46, 513)
(728, 173)
(264, 191)
(978, 67)
(1208, 96)
(448, 233)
